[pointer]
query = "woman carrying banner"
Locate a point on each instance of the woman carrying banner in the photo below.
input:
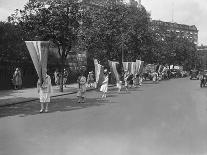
(81, 88)
(104, 86)
(44, 89)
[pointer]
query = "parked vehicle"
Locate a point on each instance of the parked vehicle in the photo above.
(175, 73)
(203, 78)
(194, 74)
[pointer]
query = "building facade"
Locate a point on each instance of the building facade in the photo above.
(187, 31)
(202, 55)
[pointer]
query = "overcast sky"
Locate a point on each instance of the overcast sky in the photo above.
(190, 12)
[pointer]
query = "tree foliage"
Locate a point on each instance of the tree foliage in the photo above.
(12, 47)
(114, 28)
(55, 20)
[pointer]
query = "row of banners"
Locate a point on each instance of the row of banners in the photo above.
(132, 68)
(39, 53)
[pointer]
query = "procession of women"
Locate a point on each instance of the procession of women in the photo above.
(130, 76)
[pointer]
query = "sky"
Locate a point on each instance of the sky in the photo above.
(189, 12)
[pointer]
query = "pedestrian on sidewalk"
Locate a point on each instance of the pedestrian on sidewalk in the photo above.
(81, 88)
(17, 79)
(104, 86)
(44, 89)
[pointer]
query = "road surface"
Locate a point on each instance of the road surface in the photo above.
(169, 118)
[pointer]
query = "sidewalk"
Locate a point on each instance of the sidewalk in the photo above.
(8, 97)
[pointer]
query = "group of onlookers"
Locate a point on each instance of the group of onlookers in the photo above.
(57, 77)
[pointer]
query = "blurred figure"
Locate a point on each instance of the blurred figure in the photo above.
(57, 77)
(104, 86)
(155, 78)
(118, 84)
(65, 77)
(126, 82)
(17, 79)
(81, 88)
(44, 89)
(90, 79)
(130, 80)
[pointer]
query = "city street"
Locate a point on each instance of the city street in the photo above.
(168, 118)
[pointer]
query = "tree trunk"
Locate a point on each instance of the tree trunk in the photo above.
(61, 77)
(62, 70)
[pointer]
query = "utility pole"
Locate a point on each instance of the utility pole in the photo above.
(173, 12)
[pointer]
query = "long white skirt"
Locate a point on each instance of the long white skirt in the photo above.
(104, 88)
(44, 96)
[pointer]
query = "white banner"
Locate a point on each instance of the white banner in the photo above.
(39, 53)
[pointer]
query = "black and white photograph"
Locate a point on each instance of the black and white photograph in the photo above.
(103, 77)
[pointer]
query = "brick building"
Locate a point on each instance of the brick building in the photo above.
(187, 31)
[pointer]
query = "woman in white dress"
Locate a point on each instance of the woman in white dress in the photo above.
(104, 86)
(81, 88)
(44, 90)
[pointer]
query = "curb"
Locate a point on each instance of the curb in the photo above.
(35, 99)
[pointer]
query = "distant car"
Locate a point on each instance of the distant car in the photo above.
(194, 74)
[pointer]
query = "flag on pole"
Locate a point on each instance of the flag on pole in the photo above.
(125, 66)
(99, 73)
(39, 53)
(113, 68)
(133, 68)
(138, 64)
(141, 69)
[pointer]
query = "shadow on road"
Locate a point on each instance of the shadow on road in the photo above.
(57, 104)
(61, 104)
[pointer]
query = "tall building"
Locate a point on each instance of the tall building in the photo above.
(202, 55)
(187, 31)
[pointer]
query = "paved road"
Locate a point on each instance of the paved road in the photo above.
(169, 118)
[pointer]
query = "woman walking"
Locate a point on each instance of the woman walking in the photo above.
(104, 86)
(44, 89)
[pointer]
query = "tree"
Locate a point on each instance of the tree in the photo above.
(115, 28)
(54, 20)
(11, 44)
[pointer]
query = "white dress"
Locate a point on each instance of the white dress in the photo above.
(104, 86)
(45, 90)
